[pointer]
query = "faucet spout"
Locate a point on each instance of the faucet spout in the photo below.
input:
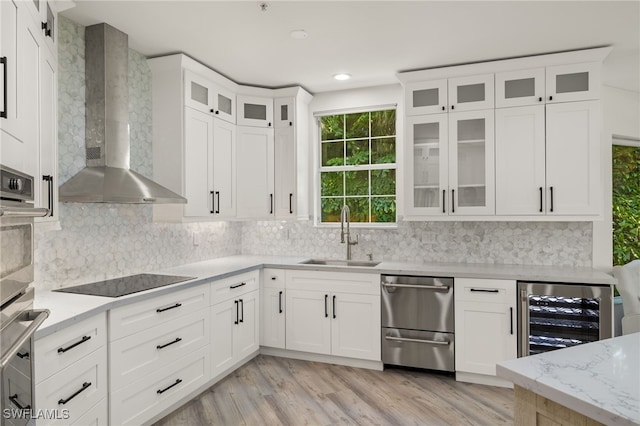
(345, 217)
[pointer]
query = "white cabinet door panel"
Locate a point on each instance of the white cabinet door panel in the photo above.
(223, 319)
(272, 321)
(308, 323)
(355, 327)
(247, 332)
(224, 169)
(198, 135)
(255, 187)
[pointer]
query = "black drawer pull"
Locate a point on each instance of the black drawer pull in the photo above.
(334, 306)
(237, 285)
(213, 202)
(511, 320)
(3, 61)
(485, 290)
(169, 344)
(79, 342)
(241, 310)
(237, 312)
(178, 381)
(49, 180)
(280, 303)
(14, 398)
(85, 386)
(290, 203)
(23, 356)
(218, 198)
(326, 310)
(177, 305)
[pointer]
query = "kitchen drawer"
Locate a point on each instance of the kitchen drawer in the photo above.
(130, 319)
(339, 282)
(75, 389)
(485, 290)
(141, 354)
(273, 278)
(141, 400)
(97, 415)
(16, 392)
(419, 349)
(63, 348)
(231, 287)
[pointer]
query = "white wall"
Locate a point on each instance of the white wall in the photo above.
(621, 111)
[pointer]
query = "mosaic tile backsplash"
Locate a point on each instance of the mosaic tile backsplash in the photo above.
(101, 241)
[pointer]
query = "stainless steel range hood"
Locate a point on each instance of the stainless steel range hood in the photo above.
(107, 177)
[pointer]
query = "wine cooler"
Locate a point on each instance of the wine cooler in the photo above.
(556, 316)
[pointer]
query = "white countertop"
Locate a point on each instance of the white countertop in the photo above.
(67, 308)
(600, 380)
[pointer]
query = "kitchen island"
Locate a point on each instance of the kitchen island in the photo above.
(589, 384)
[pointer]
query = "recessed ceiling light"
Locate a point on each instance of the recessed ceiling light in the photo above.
(342, 76)
(299, 34)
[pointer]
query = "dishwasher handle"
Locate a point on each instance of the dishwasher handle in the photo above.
(405, 339)
(444, 288)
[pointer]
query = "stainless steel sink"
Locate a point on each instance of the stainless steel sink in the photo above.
(329, 262)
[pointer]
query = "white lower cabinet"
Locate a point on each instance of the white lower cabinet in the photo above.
(235, 331)
(142, 400)
(331, 321)
(485, 326)
(70, 372)
(273, 309)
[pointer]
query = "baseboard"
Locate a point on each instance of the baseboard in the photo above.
(327, 359)
(482, 379)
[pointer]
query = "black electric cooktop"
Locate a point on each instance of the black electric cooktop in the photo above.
(126, 285)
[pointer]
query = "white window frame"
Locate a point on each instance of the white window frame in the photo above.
(318, 168)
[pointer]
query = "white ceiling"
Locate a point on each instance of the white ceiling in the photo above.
(372, 40)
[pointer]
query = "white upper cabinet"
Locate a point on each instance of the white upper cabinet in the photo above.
(255, 187)
(471, 93)
(520, 160)
(520, 88)
(573, 158)
(255, 111)
(575, 82)
(206, 96)
(47, 193)
(429, 97)
(284, 112)
(224, 169)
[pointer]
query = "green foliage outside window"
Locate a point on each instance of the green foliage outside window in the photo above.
(626, 204)
(358, 156)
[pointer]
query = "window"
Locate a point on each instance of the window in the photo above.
(626, 203)
(358, 166)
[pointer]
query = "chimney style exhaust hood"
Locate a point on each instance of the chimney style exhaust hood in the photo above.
(107, 177)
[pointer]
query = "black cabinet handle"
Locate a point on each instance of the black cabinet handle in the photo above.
(169, 344)
(540, 99)
(49, 180)
(3, 61)
(551, 190)
(177, 382)
(550, 98)
(217, 112)
(269, 124)
(46, 29)
(25, 355)
(79, 342)
(334, 306)
(85, 386)
(213, 202)
(241, 310)
(271, 203)
(218, 199)
(237, 313)
(511, 320)
(540, 199)
(453, 201)
(280, 302)
(274, 278)
(326, 309)
(444, 108)
(485, 290)
(177, 305)
(291, 123)
(453, 106)
(290, 203)
(14, 399)
(444, 198)
(237, 285)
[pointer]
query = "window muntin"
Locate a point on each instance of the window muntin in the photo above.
(358, 166)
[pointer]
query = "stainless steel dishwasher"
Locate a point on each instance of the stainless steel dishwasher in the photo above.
(417, 322)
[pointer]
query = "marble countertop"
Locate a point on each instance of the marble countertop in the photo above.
(67, 308)
(600, 380)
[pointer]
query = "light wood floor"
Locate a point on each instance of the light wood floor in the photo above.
(279, 391)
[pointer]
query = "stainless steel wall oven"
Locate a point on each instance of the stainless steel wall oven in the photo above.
(18, 320)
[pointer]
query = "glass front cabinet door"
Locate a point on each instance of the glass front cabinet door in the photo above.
(471, 93)
(471, 163)
(426, 97)
(255, 111)
(427, 165)
(575, 82)
(198, 92)
(520, 88)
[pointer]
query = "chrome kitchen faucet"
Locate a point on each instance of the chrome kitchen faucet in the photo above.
(345, 216)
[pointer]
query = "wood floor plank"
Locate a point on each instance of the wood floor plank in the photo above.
(280, 391)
